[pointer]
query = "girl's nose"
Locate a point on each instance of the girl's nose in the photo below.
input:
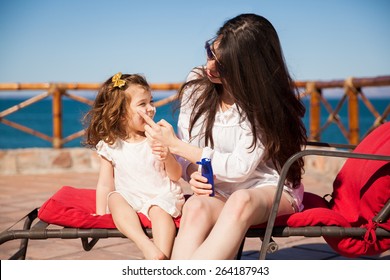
(151, 110)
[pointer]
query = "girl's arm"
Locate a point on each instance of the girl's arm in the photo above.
(172, 167)
(105, 185)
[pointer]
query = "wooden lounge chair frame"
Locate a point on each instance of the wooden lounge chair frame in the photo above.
(33, 229)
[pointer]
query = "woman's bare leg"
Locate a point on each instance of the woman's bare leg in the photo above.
(128, 223)
(199, 216)
(243, 209)
(164, 230)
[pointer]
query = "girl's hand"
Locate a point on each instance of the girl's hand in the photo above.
(199, 184)
(160, 151)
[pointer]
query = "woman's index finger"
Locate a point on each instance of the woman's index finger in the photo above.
(147, 119)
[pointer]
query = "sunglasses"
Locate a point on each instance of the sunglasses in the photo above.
(209, 51)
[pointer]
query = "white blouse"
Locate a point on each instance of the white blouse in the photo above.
(235, 163)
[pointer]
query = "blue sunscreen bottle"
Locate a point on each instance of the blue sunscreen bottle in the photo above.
(207, 171)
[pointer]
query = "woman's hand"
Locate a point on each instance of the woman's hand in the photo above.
(162, 131)
(199, 184)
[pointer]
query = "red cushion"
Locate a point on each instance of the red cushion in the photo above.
(316, 212)
(317, 217)
(310, 201)
(357, 182)
(72, 207)
(360, 191)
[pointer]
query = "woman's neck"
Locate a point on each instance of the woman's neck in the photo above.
(226, 101)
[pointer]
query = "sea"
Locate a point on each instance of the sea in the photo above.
(38, 116)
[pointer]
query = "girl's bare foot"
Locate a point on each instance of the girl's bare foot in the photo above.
(151, 252)
(161, 257)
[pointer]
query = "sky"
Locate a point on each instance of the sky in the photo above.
(88, 41)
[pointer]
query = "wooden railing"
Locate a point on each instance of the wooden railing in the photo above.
(352, 91)
(311, 89)
(57, 92)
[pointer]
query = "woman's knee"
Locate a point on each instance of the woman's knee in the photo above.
(196, 208)
(240, 205)
(195, 205)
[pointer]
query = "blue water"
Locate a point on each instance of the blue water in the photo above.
(39, 117)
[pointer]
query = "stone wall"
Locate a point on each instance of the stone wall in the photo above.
(49, 161)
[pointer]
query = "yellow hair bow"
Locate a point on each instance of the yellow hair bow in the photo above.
(118, 82)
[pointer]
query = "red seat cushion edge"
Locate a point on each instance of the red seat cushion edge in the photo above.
(74, 207)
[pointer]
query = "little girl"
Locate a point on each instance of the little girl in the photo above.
(135, 175)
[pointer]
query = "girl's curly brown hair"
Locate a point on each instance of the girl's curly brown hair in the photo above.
(105, 120)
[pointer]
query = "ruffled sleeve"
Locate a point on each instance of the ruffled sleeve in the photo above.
(103, 150)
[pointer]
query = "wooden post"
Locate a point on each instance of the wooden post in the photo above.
(315, 111)
(353, 111)
(57, 117)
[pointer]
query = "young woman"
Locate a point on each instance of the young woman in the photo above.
(241, 111)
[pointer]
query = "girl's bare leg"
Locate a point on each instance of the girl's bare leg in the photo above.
(199, 216)
(243, 209)
(128, 223)
(164, 230)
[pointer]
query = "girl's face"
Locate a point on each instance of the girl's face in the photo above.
(142, 100)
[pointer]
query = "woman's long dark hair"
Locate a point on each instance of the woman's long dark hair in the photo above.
(253, 70)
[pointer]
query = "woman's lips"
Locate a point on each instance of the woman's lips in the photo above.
(210, 74)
